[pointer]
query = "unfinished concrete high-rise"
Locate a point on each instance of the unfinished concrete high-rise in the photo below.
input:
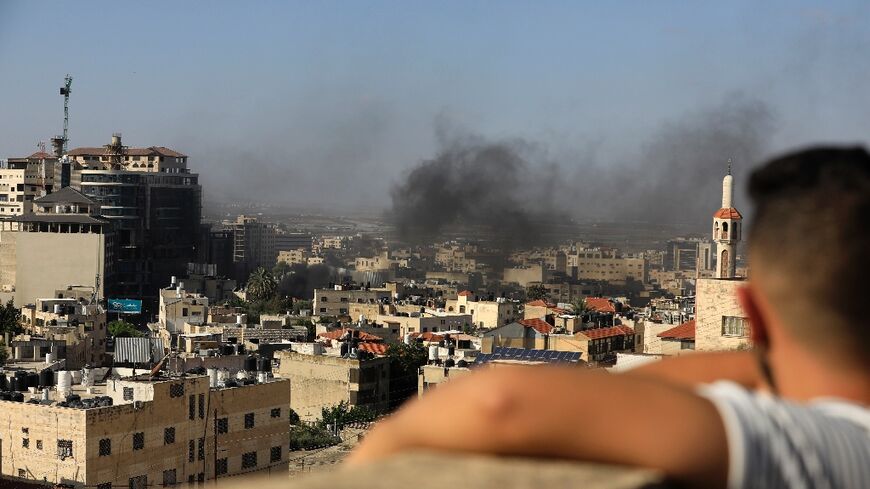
(154, 204)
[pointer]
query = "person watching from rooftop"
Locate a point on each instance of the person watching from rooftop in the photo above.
(790, 412)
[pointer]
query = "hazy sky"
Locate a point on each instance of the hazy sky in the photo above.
(333, 102)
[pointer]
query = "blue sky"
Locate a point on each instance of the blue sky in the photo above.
(319, 102)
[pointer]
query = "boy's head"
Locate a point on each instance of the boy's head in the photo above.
(809, 248)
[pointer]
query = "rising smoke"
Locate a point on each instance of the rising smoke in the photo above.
(677, 175)
(485, 188)
(514, 195)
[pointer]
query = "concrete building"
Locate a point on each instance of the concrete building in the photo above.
(297, 256)
(177, 307)
(694, 255)
(154, 204)
(601, 344)
(293, 241)
(339, 300)
(606, 265)
(425, 323)
(253, 245)
(145, 432)
(63, 242)
(73, 330)
(526, 275)
(484, 314)
(320, 380)
(24, 179)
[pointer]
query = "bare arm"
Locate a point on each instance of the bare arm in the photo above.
(740, 367)
(564, 413)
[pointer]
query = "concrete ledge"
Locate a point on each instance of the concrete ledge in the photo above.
(440, 471)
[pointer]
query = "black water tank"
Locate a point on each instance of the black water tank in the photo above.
(451, 350)
(228, 350)
(240, 349)
(4, 383)
(19, 384)
(449, 363)
(5, 396)
(462, 364)
(72, 398)
(46, 378)
(16, 397)
(33, 379)
(264, 365)
(250, 363)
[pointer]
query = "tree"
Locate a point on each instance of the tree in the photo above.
(10, 318)
(122, 329)
(4, 353)
(261, 285)
(342, 414)
(579, 306)
(294, 417)
(535, 292)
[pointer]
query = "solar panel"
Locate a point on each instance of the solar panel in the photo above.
(527, 354)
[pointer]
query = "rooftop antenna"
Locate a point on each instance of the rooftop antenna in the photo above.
(65, 91)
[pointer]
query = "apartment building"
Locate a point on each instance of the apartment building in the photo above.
(154, 204)
(340, 300)
(320, 380)
(297, 256)
(484, 314)
(606, 265)
(24, 179)
(253, 245)
(140, 433)
(62, 242)
(70, 329)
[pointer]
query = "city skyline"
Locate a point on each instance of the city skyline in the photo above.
(309, 97)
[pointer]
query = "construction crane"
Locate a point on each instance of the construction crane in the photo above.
(65, 91)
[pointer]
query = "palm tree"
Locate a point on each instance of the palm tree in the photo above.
(579, 306)
(261, 285)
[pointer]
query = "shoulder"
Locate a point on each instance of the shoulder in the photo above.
(773, 442)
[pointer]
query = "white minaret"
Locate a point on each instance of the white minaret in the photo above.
(727, 230)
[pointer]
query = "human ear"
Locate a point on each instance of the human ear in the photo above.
(747, 296)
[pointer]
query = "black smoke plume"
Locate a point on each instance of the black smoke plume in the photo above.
(478, 189)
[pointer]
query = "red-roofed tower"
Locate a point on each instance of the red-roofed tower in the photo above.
(727, 230)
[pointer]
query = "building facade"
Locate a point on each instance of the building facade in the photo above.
(163, 432)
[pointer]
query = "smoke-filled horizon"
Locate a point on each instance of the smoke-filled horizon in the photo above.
(516, 193)
(603, 111)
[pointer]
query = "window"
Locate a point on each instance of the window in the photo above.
(223, 426)
(275, 413)
(128, 393)
(22, 473)
(105, 447)
(734, 326)
(249, 460)
(191, 406)
(220, 467)
(275, 454)
(138, 440)
(64, 449)
(249, 421)
(176, 390)
(25, 442)
(201, 406)
(168, 477)
(200, 450)
(169, 435)
(322, 309)
(191, 449)
(39, 444)
(139, 482)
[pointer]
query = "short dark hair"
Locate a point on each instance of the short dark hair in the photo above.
(810, 239)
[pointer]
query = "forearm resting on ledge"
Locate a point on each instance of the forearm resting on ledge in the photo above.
(564, 413)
